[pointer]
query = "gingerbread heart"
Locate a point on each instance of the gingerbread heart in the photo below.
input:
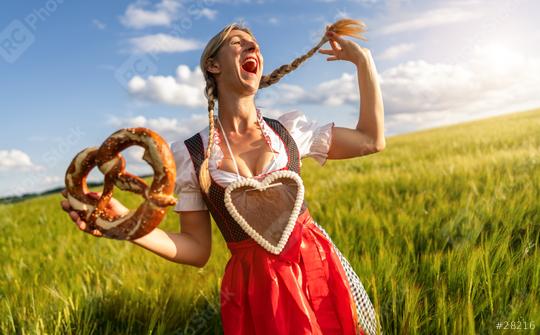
(267, 210)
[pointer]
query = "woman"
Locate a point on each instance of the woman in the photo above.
(309, 287)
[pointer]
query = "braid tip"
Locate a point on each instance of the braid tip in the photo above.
(348, 27)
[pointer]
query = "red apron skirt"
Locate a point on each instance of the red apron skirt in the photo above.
(303, 290)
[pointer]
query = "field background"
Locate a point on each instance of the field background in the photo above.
(442, 227)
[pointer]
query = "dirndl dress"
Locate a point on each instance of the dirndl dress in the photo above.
(308, 288)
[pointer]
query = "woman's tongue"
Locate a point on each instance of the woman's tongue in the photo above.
(250, 66)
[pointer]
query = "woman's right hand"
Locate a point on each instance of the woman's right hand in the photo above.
(114, 208)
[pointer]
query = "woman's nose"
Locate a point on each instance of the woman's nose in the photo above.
(252, 46)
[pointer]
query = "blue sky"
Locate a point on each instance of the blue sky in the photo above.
(72, 72)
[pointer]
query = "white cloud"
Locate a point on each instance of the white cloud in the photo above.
(163, 43)
(339, 91)
(29, 182)
(140, 14)
(238, 2)
(282, 93)
(396, 51)
(273, 113)
(53, 180)
(491, 77)
(16, 159)
(185, 89)
(273, 20)
(134, 161)
(494, 80)
(431, 18)
(98, 24)
(135, 152)
(171, 129)
(422, 86)
(335, 92)
(138, 17)
(205, 12)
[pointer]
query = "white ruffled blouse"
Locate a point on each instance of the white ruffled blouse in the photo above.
(312, 139)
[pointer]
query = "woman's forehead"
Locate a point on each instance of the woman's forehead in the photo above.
(241, 33)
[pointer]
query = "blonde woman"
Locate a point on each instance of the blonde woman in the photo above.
(308, 287)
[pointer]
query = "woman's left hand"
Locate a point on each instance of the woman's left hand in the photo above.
(346, 50)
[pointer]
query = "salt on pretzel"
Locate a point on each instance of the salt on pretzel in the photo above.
(136, 223)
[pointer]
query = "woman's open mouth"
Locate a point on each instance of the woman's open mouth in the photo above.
(250, 65)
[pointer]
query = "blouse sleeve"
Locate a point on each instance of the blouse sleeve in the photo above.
(313, 139)
(187, 187)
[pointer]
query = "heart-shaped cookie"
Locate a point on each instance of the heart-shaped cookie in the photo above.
(267, 210)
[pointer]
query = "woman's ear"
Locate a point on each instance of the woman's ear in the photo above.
(212, 66)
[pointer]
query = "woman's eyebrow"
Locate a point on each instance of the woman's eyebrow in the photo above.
(240, 37)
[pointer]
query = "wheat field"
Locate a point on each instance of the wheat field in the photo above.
(442, 227)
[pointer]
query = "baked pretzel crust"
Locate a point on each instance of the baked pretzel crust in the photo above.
(157, 197)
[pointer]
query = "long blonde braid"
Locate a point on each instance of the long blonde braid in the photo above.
(347, 27)
(281, 71)
(204, 173)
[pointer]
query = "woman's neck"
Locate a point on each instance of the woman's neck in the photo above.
(237, 114)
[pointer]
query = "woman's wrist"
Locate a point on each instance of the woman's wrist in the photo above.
(363, 59)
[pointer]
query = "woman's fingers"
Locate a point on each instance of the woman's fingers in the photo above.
(335, 46)
(344, 49)
(97, 233)
(326, 51)
(336, 50)
(81, 224)
(65, 205)
(94, 195)
(335, 37)
(333, 52)
(74, 216)
(84, 227)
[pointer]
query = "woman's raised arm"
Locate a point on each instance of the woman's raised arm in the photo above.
(368, 136)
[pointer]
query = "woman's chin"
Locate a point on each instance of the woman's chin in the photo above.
(251, 84)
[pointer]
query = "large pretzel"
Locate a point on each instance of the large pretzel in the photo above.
(110, 162)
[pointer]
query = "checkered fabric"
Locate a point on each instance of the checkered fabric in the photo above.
(364, 308)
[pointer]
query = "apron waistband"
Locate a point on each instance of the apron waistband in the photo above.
(303, 219)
